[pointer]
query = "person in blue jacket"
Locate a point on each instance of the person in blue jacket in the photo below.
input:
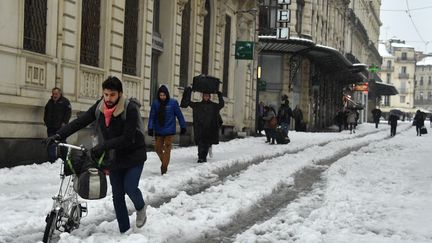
(162, 124)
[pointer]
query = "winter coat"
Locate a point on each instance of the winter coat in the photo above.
(352, 117)
(284, 114)
(267, 117)
(121, 136)
(206, 118)
(376, 113)
(172, 110)
(297, 114)
(57, 113)
(393, 119)
(419, 119)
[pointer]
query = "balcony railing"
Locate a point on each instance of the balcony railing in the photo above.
(407, 59)
(387, 68)
(403, 75)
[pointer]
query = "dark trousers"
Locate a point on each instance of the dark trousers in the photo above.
(125, 181)
(393, 130)
(418, 129)
(270, 134)
(376, 124)
(52, 149)
(203, 149)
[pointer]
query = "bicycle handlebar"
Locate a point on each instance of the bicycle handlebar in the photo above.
(72, 146)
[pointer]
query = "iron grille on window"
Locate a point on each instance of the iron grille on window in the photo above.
(130, 40)
(184, 52)
(206, 39)
(227, 54)
(90, 30)
(35, 21)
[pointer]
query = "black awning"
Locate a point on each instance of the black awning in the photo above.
(329, 58)
(385, 89)
(292, 45)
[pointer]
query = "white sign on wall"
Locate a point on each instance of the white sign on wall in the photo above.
(284, 1)
(283, 15)
(282, 33)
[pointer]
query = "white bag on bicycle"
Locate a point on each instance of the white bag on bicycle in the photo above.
(91, 184)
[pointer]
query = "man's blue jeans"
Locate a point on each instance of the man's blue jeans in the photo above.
(125, 181)
(285, 127)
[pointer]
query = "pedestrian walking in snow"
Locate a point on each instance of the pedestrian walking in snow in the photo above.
(57, 114)
(393, 118)
(119, 137)
(419, 119)
(284, 114)
(352, 120)
(162, 124)
(206, 121)
(376, 114)
(270, 124)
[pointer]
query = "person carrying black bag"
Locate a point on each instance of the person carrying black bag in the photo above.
(122, 138)
(206, 121)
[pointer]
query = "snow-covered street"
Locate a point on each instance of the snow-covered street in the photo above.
(364, 187)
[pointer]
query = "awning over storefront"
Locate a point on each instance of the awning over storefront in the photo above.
(330, 59)
(385, 89)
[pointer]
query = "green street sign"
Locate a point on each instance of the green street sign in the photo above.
(373, 69)
(244, 50)
(262, 85)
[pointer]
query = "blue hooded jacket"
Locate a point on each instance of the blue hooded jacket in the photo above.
(167, 126)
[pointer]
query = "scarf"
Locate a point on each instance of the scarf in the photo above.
(108, 114)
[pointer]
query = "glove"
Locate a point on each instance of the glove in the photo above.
(96, 152)
(150, 132)
(50, 140)
(183, 131)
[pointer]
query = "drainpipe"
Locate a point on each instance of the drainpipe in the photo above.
(59, 48)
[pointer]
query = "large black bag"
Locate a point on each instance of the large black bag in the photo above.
(281, 136)
(91, 184)
(78, 162)
(423, 130)
(206, 84)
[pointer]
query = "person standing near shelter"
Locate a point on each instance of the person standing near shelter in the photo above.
(57, 114)
(119, 136)
(206, 121)
(298, 117)
(419, 119)
(393, 118)
(352, 120)
(284, 114)
(270, 123)
(376, 114)
(162, 124)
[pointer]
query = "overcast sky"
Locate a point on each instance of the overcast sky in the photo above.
(396, 22)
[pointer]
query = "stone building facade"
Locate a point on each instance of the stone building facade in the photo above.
(76, 44)
(423, 84)
(331, 43)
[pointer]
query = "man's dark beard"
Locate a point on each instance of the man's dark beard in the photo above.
(111, 106)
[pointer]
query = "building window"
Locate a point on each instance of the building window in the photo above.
(404, 56)
(156, 16)
(403, 86)
(299, 16)
(429, 80)
(35, 22)
(389, 64)
(421, 81)
(421, 95)
(429, 95)
(402, 99)
(154, 75)
(227, 55)
(403, 70)
(388, 77)
(206, 40)
(185, 41)
(90, 31)
(130, 39)
(267, 17)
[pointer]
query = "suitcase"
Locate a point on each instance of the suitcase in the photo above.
(423, 130)
(206, 84)
(280, 136)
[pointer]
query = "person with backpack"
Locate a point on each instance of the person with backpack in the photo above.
(284, 114)
(120, 135)
(376, 114)
(162, 124)
(419, 119)
(206, 121)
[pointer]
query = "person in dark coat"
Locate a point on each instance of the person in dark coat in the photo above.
(419, 119)
(121, 139)
(269, 126)
(298, 118)
(206, 121)
(284, 115)
(393, 118)
(57, 114)
(376, 114)
(162, 123)
(339, 119)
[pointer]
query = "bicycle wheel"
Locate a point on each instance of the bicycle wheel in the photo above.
(51, 222)
(74, 218)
